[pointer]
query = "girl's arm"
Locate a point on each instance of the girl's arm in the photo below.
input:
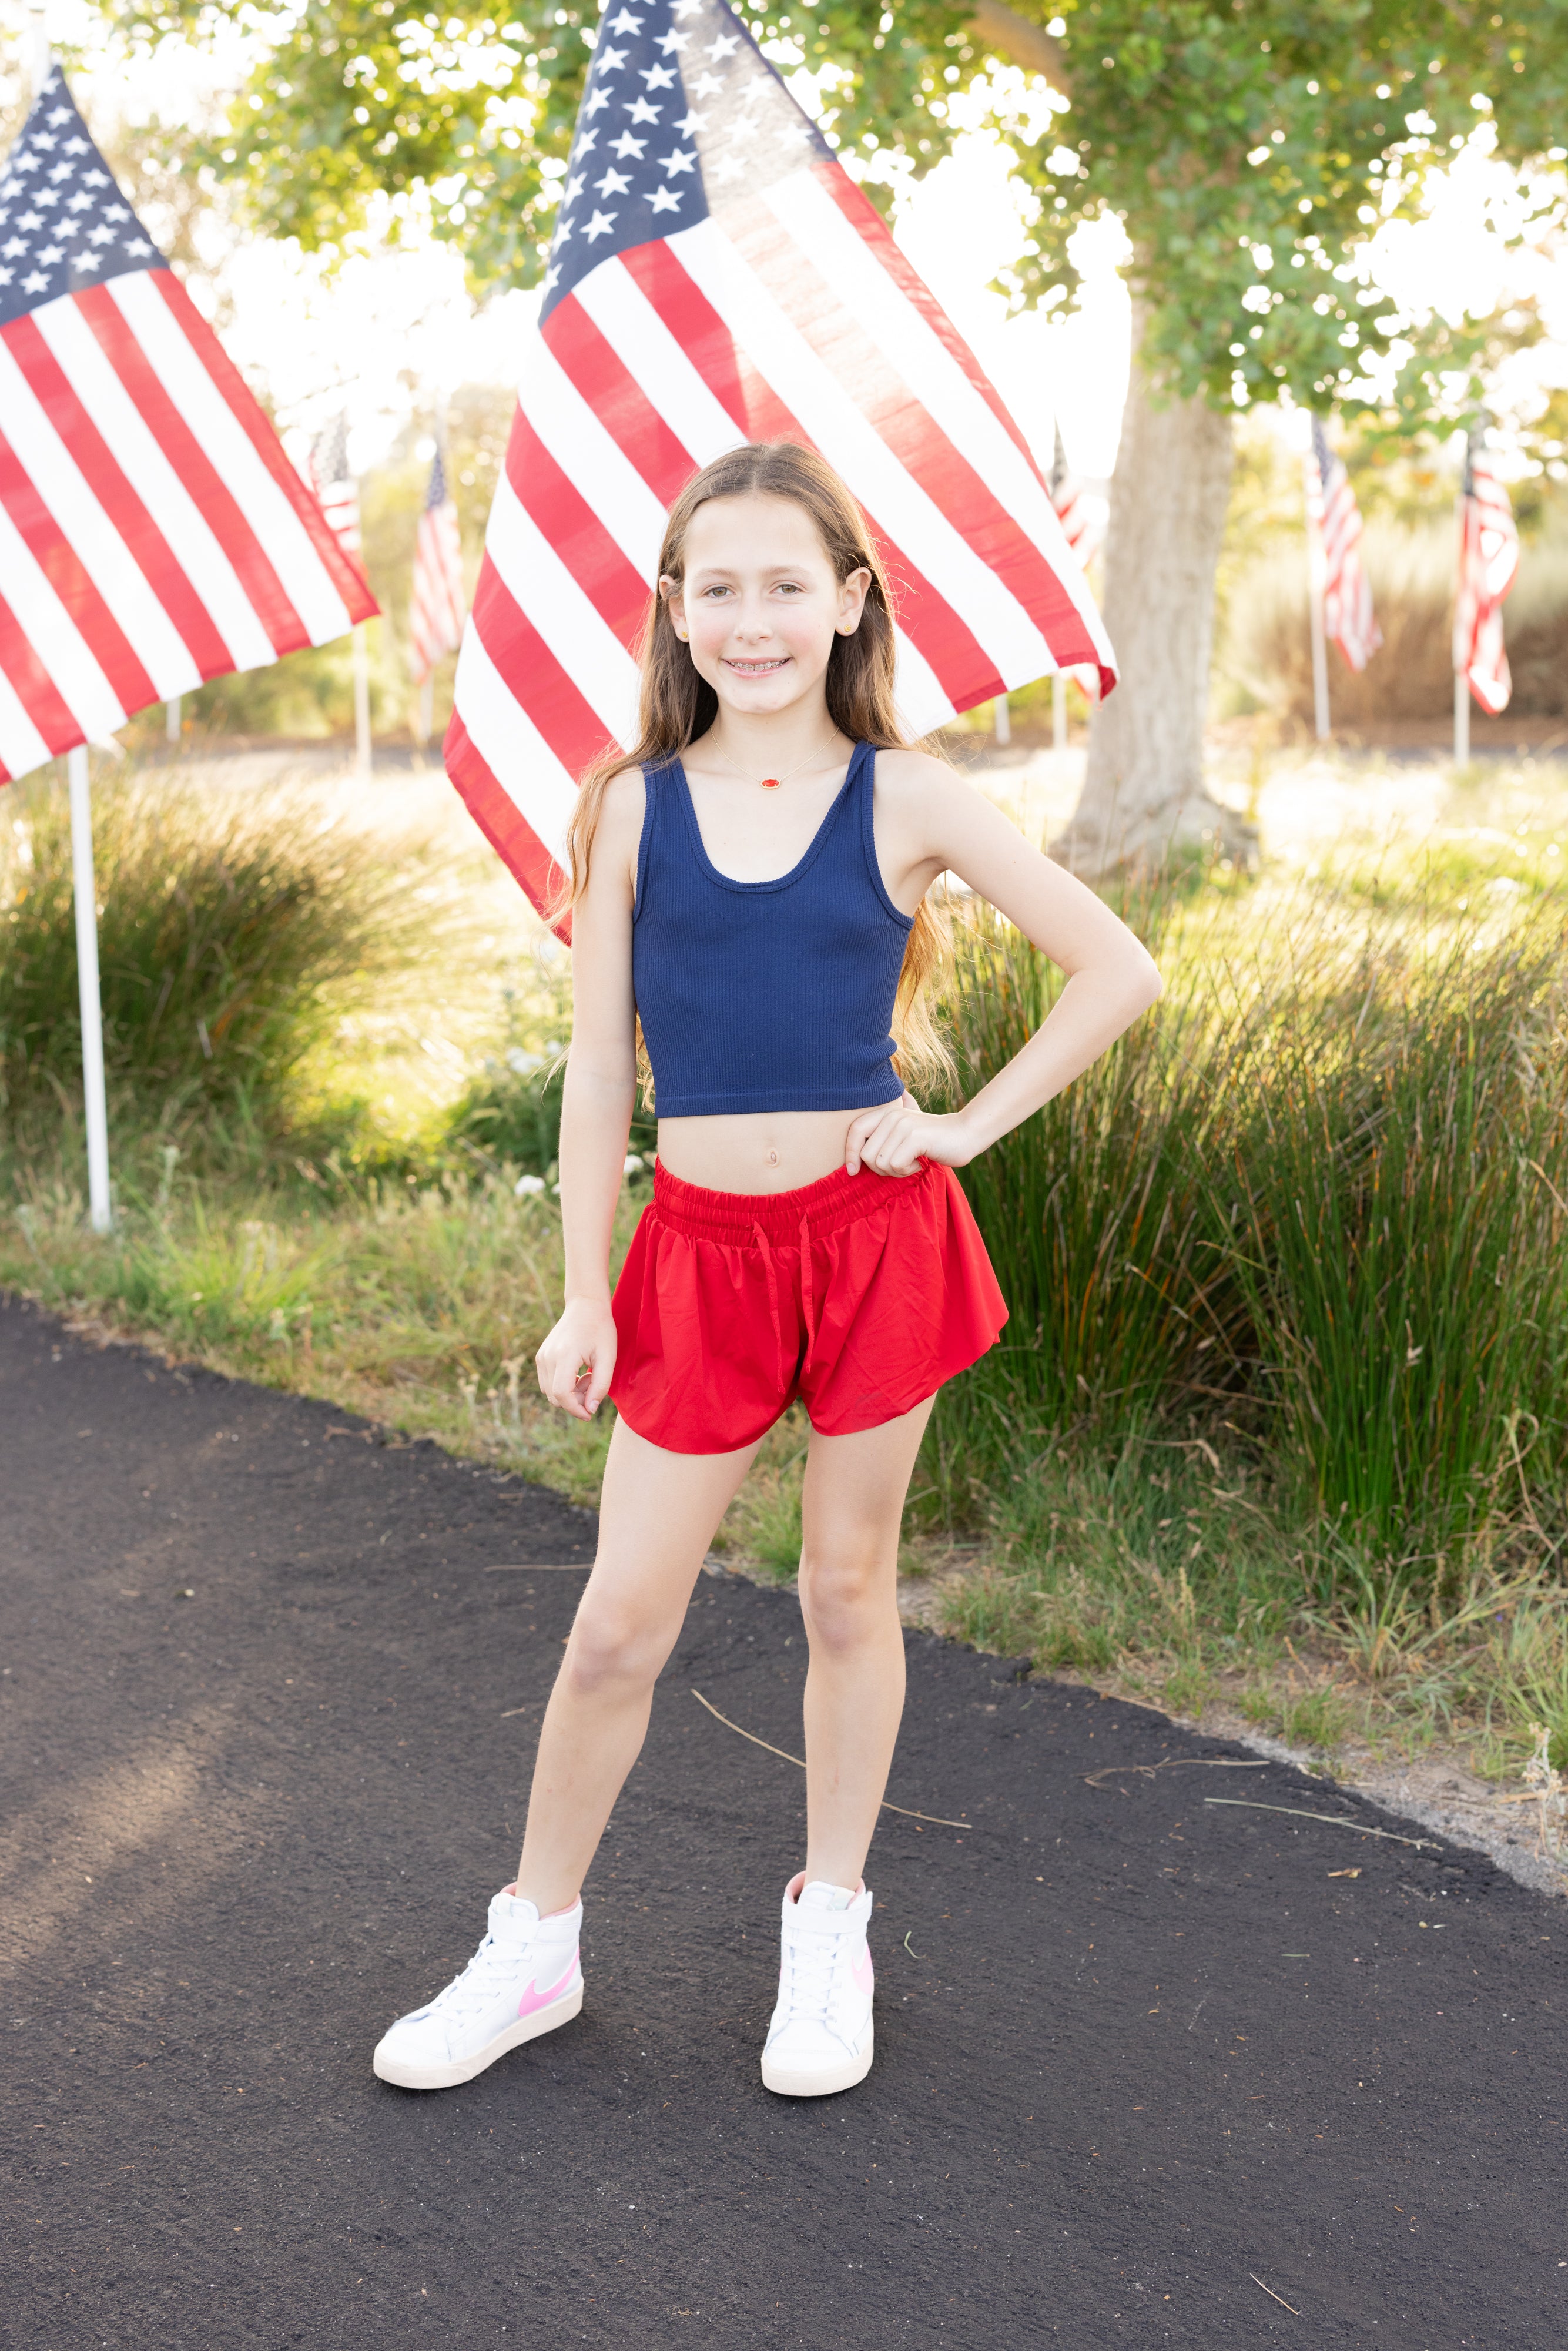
(937, 824)
(577, 1359)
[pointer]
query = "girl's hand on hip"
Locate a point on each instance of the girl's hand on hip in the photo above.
(897, 1138)
(576, 1361)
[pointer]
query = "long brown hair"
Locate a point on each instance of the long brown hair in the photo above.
(677, 705)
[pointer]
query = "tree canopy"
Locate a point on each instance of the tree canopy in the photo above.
(1248, 146)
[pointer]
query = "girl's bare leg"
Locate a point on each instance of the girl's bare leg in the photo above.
(853, 1510)
(656, 1519)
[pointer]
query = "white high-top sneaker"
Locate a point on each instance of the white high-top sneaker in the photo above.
(820, 2037)
(524, 1979)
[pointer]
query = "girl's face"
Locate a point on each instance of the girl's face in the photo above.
(760, 605)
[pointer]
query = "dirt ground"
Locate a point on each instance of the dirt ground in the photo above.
(1153, 2065)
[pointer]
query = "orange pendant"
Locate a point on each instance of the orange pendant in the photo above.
(768, 783)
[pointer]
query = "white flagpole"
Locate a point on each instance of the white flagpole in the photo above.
(172, 719)
(1461, 683)
(362, 703)
(1316, 567)
(1058, 712)
(1000, 720)
(86, 893)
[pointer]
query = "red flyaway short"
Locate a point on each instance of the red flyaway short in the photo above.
(860, 1294)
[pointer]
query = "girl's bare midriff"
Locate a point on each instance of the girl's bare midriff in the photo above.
(756, 1151)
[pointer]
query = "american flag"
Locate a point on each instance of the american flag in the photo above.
(715, 278)
(337, 492)
(1083, 516)
(153, 532)
(1489, 559)
(435, 613)
(1332, 514)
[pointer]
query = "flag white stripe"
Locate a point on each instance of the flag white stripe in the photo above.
(512, 747)
(268, 514)
(589, 652)
(629, 324)
(921, 699)
(830, 245)
(140, 458)
(22, 747)
(849, 441)
(62, 650)
(592, 461)
(97, 546)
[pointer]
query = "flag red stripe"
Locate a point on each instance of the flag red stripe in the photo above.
(548, 693)
(184, 452)
(154, 557)
(33, 686)
(617, 592)
(346, 577)
(909, 428)
(499, 819)
(61, 565)
(966, 670)
(868, 224)
(618, 400)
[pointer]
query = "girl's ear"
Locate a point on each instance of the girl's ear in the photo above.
(851, 601)
(670, 590)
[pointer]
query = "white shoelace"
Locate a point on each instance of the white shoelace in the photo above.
(810, 1961)
(472, 1988)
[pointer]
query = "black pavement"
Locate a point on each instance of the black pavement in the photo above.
(1149, 2067)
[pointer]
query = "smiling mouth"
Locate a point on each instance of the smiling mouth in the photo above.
(755, 668)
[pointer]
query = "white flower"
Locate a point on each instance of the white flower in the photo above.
(526, 1185)
(634, 1163)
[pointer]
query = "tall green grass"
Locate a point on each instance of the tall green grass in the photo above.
(1316, 1198)
(236, 933)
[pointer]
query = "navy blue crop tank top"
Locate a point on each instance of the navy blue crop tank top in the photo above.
(758, 996)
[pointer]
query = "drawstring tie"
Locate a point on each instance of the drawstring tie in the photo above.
(808, 1301)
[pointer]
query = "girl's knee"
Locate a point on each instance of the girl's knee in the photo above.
(845, 1598)
(612, 1647)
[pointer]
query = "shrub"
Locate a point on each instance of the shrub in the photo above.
(233, 935)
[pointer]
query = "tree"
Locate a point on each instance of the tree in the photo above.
(1248, 146)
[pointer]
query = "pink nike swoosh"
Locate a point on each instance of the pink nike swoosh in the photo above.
(864, 1974)
(534, 1999)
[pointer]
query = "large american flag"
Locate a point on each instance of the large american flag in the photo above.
(153, 532)
(716, 277)
(1333, 513)
(438, 603)
(1489, 560)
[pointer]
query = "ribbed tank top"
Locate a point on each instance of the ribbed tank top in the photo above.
(758, 995)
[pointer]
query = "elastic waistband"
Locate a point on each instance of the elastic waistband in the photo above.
(840, 1198)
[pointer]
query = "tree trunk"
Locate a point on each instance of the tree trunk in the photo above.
(1143, 799)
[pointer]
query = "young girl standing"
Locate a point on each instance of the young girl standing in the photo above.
(748, 888)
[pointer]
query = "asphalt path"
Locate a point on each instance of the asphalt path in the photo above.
(1150, 2067)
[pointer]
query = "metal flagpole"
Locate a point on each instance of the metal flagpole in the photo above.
(84, 887)
(1316, 569)
(172, 719)
(362, 701)
(1058, 712)
(1001, 720)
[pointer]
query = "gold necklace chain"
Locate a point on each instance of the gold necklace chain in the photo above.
(772, 783)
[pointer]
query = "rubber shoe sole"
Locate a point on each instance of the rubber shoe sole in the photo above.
(448, 2078)
(822, 2081)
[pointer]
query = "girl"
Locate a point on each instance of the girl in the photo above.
(748, 889)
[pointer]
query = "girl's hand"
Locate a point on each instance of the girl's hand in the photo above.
(895, 1139)
(576, 1360)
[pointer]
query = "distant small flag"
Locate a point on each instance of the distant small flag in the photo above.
(715, 278)
(438, 607)
(335, 486)
(1349, 619)
(1489, 561)
(153, 532)
(1081, 514)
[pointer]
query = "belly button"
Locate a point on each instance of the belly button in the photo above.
(773, 1159)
